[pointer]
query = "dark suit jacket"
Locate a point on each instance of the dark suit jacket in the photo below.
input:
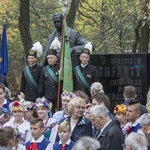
(31, 94)
(112, 137)
(47, 87)
(89, 73)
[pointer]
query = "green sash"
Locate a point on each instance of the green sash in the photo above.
(54, 77)
(82, 78)
(30, 78)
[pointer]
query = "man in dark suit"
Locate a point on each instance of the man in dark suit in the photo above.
(30, 77)
(102, 99)
(110, 136)
(48, 86)
(85, 73)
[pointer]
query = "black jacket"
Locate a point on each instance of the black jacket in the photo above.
(112, 137)
(89, 73)
(31, 94)
(47, 87)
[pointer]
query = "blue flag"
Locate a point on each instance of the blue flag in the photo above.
(4, 53)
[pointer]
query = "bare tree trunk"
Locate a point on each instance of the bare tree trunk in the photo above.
(144, 38)
(137, 37)
(72, 13)
(145, 28)
(24, 25)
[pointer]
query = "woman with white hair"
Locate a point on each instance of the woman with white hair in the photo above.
(86, 143)
(96, 88)
(145, 125)
(80, 125)
(136, 141)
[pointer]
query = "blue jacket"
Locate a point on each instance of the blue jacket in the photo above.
(41, 146)
(56, 146)
(82, 128)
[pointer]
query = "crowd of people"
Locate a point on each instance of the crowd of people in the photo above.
(81, 124)
(29, 120)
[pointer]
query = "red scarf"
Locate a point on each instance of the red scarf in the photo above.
(33, 146)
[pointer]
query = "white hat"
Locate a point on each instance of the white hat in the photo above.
(38, 48)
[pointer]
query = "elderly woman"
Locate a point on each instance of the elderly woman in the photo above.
(145, 125)
(96, 88)
(136, 141)
(80, 125)
(86, 143)
(65, 99)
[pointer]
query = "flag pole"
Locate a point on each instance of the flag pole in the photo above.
(61, 66)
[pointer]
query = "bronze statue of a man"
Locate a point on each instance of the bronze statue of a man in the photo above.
(76, 40)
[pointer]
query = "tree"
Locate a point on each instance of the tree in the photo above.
(24, 25)
(72, 13)
(144, 22)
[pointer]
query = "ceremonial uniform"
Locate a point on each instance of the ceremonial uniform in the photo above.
(58, 145)
(89, 73)
(48, 86)
(30, 91)
(40, 144)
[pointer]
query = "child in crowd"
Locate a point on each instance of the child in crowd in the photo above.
(3, 102)
(4, 116)
(64, 133)
(65, 99)
(120, 111)
(43, 108)
(6, 138)
(29, 111)
(18, 123)
(38, 141)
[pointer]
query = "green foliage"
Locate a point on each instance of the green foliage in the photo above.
(108, 24)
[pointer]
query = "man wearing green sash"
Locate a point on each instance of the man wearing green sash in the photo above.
(30, 77)
(84, 74)
(48, 86)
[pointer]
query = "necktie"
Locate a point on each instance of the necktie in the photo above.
(128, 130)
(63, 147)
(33, 146)
(97, 134)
